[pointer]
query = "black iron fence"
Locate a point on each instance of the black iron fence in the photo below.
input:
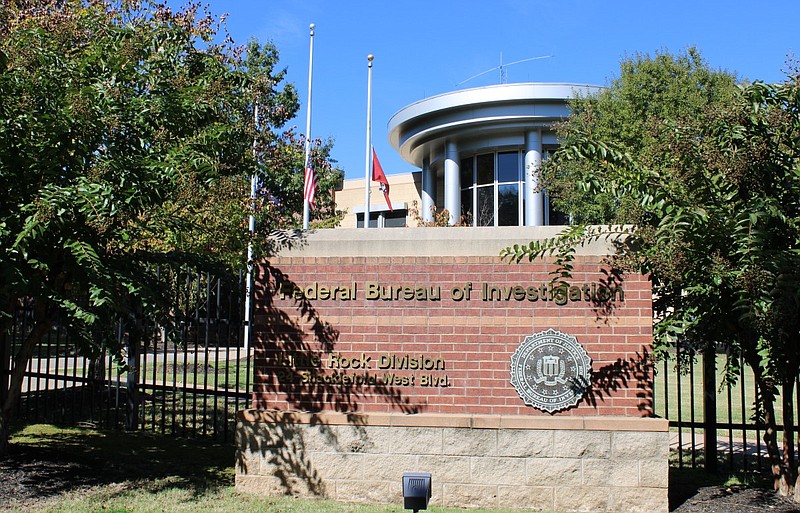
(188, 378)
(713, 421)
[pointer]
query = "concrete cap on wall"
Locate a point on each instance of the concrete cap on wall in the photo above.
(409, 242)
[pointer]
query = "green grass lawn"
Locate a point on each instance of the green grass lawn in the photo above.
(200, 373)
(674, 388)
(225, 375)
(113, 471)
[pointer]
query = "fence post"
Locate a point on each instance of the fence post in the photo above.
(710, 407)
(5, 365)
(132, 395)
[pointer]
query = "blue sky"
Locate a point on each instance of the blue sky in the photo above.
(423, 48)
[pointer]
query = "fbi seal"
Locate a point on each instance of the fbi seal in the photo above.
(551, 371)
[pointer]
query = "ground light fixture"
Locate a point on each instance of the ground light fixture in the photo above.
(416, 490)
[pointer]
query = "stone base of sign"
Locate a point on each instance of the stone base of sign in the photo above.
(534, 463)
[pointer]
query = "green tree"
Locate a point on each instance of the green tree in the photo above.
(126, 141)
(714, 209)
(635, 112)
(282, 192)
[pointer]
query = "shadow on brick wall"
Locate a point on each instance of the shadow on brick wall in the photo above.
(289, 342)
(621, 374)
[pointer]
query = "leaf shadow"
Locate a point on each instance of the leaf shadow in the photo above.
(290, 368)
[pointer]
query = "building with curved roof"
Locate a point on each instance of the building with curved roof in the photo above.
(479, 151)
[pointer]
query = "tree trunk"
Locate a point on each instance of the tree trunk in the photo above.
(766, 394)
(710, 408)
(4, 436)
(797, 472)
(41, 326)
(789, 476)
(770, 429)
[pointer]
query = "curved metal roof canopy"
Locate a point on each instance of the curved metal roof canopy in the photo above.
(482, 115)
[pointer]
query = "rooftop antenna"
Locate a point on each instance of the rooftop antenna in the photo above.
(502, 67)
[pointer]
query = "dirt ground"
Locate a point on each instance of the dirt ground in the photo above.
(734, 499)
(33, 476)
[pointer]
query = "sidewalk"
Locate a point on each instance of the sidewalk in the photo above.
(738, 446)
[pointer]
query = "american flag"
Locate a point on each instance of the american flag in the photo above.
(311, 185)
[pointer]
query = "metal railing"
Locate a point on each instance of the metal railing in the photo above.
(187, 379)
(713, 422)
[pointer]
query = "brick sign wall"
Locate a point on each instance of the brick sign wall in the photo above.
(384, 351)
(435, 334)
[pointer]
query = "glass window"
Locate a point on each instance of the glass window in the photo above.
(465, 170)
(485, 166)
(388, 219)
(396, 219)
(466, 202)
(485, 210)
(491, 189)
(508, 205)
(373, 220)
(508, 167)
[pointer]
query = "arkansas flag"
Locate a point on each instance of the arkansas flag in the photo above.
(378, 176)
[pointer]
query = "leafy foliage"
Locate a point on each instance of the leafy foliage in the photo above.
(637, 113)
(127, 141)
(715, 201)
(280, 203)
(439, 218)
(116, 126)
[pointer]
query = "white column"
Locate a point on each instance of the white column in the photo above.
(452, 183)
(428, 190)
(534, 195)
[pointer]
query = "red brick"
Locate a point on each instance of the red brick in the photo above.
(475, 337)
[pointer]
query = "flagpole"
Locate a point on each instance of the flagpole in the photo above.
(248, 286)
(368, 166)
(307, 160)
